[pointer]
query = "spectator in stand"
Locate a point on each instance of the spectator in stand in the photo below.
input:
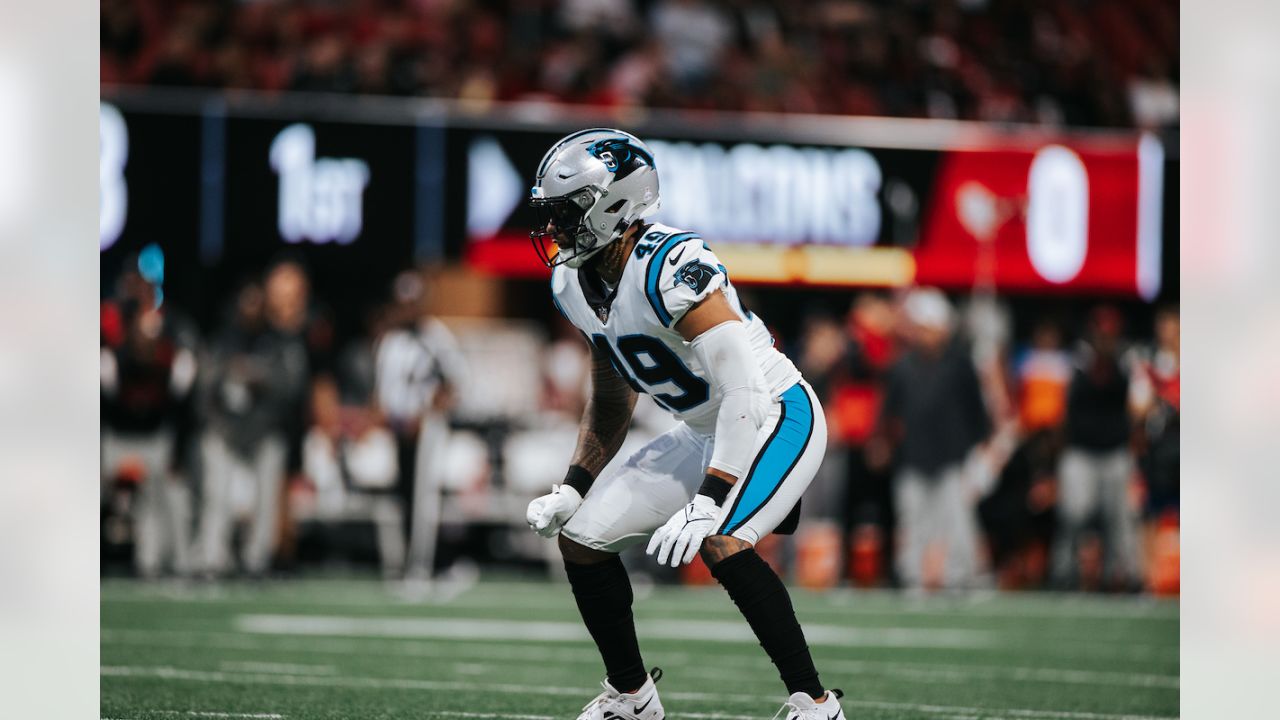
(855, 408)
(693, 34)
(611, 17)
(256, 376)
(290, 314)
(176, 62)
(1018, 515)
(326, 67)
(1153, 97)
(1158, 402)
(1043, 373)
(147, 373)
(1096, 471)
(823, 349)
(121, 37)
(934, 415)
(418, 370)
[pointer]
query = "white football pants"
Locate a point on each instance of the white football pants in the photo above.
(625, 506)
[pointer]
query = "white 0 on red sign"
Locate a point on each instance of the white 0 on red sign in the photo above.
(1057, 213)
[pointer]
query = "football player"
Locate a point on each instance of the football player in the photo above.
(662, 318)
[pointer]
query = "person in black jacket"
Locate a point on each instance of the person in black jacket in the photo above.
(934, 415)
(256, 376)
(1096, 468)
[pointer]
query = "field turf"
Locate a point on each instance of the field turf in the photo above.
(361, 650)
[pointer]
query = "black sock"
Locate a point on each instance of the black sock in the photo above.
(603, 592)
(764, 602)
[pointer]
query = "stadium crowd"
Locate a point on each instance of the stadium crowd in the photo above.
(963, 454)
(1062, 62)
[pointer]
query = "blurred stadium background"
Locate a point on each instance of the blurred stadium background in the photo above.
(332, 375)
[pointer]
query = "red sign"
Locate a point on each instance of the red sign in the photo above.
(1053, 218)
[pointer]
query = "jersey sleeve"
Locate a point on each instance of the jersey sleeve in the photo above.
(682, 272)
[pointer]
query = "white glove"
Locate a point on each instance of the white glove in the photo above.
(682, 536)
(547, 514)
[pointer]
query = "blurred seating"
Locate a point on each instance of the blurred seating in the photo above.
(1060, 62)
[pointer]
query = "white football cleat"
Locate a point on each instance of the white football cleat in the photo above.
(643, 704)
(802, 707)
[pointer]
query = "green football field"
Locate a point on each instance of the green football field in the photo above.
(358, 649)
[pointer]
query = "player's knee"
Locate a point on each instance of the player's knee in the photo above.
(716, 548)
(580, 554)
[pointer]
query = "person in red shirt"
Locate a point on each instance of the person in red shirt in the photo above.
(146, 377)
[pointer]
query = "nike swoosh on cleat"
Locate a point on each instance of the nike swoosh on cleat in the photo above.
(645, 705)
(677, 257)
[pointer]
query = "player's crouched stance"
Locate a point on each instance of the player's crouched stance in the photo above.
(662, 318)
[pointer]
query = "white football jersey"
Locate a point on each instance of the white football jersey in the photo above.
(669, 271)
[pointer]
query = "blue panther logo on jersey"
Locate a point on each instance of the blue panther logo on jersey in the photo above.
(695, 274)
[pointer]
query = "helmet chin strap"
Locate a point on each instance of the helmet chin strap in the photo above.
(579, 259)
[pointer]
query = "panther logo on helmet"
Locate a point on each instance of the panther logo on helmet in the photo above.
(619, 156)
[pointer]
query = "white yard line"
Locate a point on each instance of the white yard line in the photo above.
(171, 673)
(280, 668)
(949, 712)
(351, 645)
(550, 631)
(210, 714)
(213, 714)
(507, 715)
(818, 635)
(729, 666)
(729, 716)
(985, 713)
(272, 716)
(213, 676)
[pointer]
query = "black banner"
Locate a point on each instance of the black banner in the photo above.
(360, 191)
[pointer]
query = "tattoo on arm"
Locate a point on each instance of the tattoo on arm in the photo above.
(606, 418)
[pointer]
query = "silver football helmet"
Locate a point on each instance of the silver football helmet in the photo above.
(589, 188)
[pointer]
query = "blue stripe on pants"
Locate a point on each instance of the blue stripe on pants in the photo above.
(779, 455)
